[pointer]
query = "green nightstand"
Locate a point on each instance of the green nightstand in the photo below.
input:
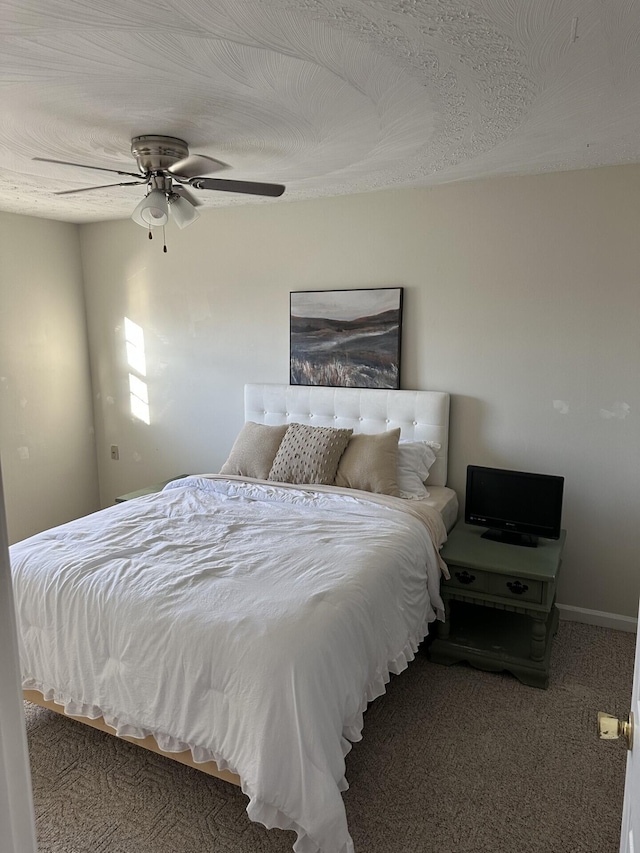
(499, 605)
(148, 490)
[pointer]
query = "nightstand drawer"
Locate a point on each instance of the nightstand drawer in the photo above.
(468, 579)
(519, 589)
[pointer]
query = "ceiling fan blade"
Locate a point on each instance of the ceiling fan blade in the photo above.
(182, 191)
(196, 164)
(250, 187)
(84, 166)
(101, 187)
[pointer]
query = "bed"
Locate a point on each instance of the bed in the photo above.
(241, 624)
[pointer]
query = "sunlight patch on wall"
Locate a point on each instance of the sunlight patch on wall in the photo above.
(134, 338)
(136, 359)
(139, 399)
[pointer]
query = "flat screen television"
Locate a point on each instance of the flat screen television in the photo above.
(516, 506)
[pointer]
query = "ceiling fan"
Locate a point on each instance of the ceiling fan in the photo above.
(168, 169)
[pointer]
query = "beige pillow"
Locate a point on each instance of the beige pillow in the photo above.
(254, 450)
(370, 463)
(309, 454)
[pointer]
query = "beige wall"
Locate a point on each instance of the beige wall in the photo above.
(521, 299)
(47, 444)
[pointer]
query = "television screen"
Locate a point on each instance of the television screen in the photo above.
(515, 506)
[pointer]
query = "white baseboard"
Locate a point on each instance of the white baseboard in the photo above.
(597, 617)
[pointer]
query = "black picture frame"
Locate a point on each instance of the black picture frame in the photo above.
(346, 338)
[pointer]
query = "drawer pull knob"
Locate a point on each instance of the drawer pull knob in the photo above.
(517, 588)
(465, 577)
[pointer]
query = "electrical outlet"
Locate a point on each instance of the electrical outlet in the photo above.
(115, 452)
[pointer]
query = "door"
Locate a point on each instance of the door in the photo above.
(630, 836)
(610, 728)
(18, 834)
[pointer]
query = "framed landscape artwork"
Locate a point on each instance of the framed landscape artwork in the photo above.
(348, 338)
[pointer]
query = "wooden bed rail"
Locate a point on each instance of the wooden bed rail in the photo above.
(150, 743)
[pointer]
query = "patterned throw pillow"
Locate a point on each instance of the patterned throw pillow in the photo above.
(309, 454)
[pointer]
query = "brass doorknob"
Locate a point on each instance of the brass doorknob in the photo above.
(611, 728)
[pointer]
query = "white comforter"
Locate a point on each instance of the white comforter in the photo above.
(247, 622)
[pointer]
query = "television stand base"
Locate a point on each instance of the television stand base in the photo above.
(499, 604)
(527, 540)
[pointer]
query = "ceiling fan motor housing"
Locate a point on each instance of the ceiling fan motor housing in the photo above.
(157, 153)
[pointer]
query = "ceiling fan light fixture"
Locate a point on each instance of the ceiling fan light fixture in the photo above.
(152, 211)
(183, 211)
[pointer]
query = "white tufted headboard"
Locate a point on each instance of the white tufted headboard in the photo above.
(421, 415)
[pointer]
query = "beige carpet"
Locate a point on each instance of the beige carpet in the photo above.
(453, 761)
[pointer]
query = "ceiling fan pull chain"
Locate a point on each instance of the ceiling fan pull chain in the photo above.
(150, 234)
(164, 240)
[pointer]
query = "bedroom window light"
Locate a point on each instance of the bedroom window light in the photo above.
(134, 338)
(139, 399)
(136, 359)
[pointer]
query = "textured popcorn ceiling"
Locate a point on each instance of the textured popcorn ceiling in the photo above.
(325, 96)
